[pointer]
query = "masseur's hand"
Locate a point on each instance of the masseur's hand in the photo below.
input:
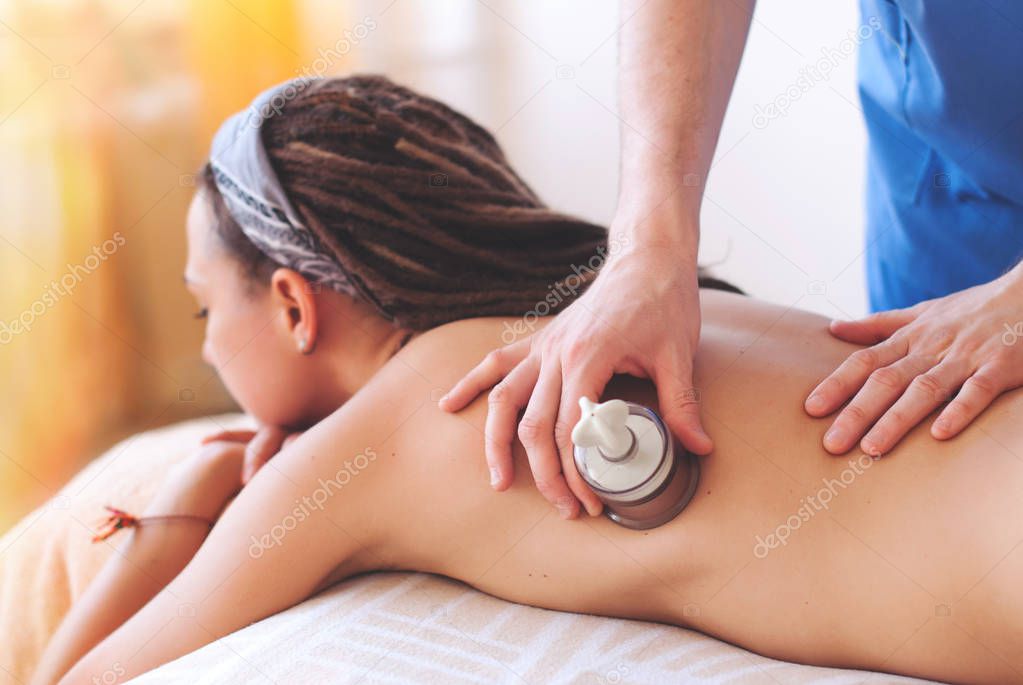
(919, 358)
(640, 316)
(260, 445)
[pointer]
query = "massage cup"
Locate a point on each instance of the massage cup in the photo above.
(625, 452)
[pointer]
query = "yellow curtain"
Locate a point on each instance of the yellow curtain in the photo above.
(105, 118)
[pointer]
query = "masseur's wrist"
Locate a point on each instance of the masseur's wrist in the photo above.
(1008, 288)
(668, 230)
(658, 267)
(658, 207)
(1014, 277)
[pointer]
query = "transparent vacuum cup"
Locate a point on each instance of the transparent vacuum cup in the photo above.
(626, 453)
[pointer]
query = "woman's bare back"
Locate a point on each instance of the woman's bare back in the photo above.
(903, 564)
(911, 565)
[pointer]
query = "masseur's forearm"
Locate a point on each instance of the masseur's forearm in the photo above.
(677, 66)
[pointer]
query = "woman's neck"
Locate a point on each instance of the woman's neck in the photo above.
(377, 352)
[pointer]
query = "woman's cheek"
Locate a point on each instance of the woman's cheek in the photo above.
(252, 367)
(214, 350)
(207, 351)
(228, 351)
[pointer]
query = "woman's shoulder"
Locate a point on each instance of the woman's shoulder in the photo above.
(418, 375)
(492, 331)
(445, 353)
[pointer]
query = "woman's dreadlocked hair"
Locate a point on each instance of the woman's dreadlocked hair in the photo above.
(419, 206)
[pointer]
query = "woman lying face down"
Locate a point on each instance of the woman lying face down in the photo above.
(407, 250)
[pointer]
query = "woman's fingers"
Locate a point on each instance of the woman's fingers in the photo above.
(880, 391)
(872, 329)
(266, 443)
(536, 431)
(979, 391)
(923, 394)
(229, 436)
(495, 366)
(260, 446)
(504, 403)
(850, 376)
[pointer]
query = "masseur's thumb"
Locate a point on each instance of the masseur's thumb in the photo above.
(265, 444)
(680, 408)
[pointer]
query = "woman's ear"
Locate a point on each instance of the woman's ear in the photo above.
(295, 296)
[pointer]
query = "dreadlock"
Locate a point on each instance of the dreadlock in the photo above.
(418, 205)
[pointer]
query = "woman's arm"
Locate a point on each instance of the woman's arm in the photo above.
(150, 557)
(304, 514)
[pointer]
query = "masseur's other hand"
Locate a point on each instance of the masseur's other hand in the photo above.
(260, 445)
(641, 316)
(919, 357)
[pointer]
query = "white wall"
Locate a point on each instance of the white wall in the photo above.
(783, 215)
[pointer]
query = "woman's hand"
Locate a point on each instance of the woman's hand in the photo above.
(260, 445)
(641, 316)
(970, 340)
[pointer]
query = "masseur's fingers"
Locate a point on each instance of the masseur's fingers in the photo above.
(229, 436)
(850, 376)
(495, 366)
(265, 444)
(924, 394)
(503, 405)
(979, 391)
(587, 378)
(536, 431)
(874, 328)
(972, 338)
(882, 388)
(679, 402)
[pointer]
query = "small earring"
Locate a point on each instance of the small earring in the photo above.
(303, 344)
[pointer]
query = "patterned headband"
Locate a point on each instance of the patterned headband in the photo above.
(254, 196)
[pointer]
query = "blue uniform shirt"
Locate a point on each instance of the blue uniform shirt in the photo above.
(941, 83)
